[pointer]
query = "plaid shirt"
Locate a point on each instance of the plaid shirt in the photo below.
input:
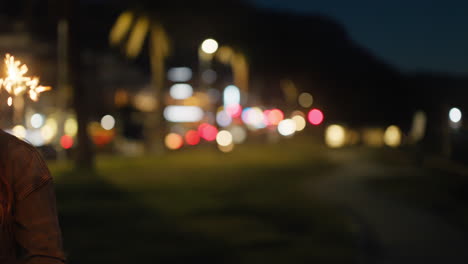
(37, 233)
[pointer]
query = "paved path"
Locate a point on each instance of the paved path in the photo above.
(389, 230)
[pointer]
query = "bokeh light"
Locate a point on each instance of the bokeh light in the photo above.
(207, 132)
(37, 120)
(173, 141)
(71, 127)
(108, 122)
(315, 117)
(231, 95)
(227, 148)
(305, 100)
(287, 127)
(183, 114)
(181, 91)
(35, 138)
(234, 110)
(50, 129)
(335, 136)
(455, 115)
(392, 136)
(19, 131)
(224, 138)
(179, 74)
(253, 117)
(239, 134)
(209, 76)
(66, 142)
(373, 137)
(209, 46)
(274, 116)
(192, 137)
(223, 118)
(300, 122)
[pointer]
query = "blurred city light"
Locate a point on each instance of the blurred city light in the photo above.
(179, 74)
(71, 127)
(234, 110)
(315, 117)
(418, 128)
(225, 54)
(305, 100)
(50, 129)
(145, 101)
(274, 116)
(209, 76)
(192, 137)
(181, 91)
(373, 137)
(253, 117)
(455, 115)
(37, 120)
(19, 131)
(66, 142)
(392, 136)
(227, 148)
(35, 138)
(335, 136)
(223, 118)
(239, 134)
(183, 114)
(209, 46)
(137, 37)
(174, 141)
(231, 96)
(224, 138)
(108, 122)
(287, 127)
(207, 132)
(121, 27)
(300, 122)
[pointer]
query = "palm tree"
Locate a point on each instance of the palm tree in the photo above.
(131, 30)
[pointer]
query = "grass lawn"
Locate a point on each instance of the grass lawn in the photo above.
(440, 186)
(199, 205)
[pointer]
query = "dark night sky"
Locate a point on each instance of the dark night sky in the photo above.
(410, 34)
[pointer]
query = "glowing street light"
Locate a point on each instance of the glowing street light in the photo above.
(455, 115)
(209, 46)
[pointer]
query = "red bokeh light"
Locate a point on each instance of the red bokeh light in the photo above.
(192, 137)
(274, 116)
(234, 110)
(315, 117)
(66, 142)
(207, 132)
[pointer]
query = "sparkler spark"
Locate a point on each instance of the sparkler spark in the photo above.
(17, 84)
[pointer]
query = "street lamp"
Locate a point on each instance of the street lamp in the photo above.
(209, 46)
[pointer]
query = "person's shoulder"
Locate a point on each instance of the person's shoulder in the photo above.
(16, 148)
(29, 170)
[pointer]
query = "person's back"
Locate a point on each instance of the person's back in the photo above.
(29, 230)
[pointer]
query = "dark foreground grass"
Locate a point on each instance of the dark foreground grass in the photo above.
(202, 206)
(440, 186)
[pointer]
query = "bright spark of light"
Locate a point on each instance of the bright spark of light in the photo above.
(17, 84)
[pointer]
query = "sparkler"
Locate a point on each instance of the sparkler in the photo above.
(17, 84)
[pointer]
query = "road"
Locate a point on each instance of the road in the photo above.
(389, 230)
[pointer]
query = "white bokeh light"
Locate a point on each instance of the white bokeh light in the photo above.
(455, 115)
(209, 46)
(108, 122)
(287, 127)
(224, 138)
(181, 91)
(37, 121)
